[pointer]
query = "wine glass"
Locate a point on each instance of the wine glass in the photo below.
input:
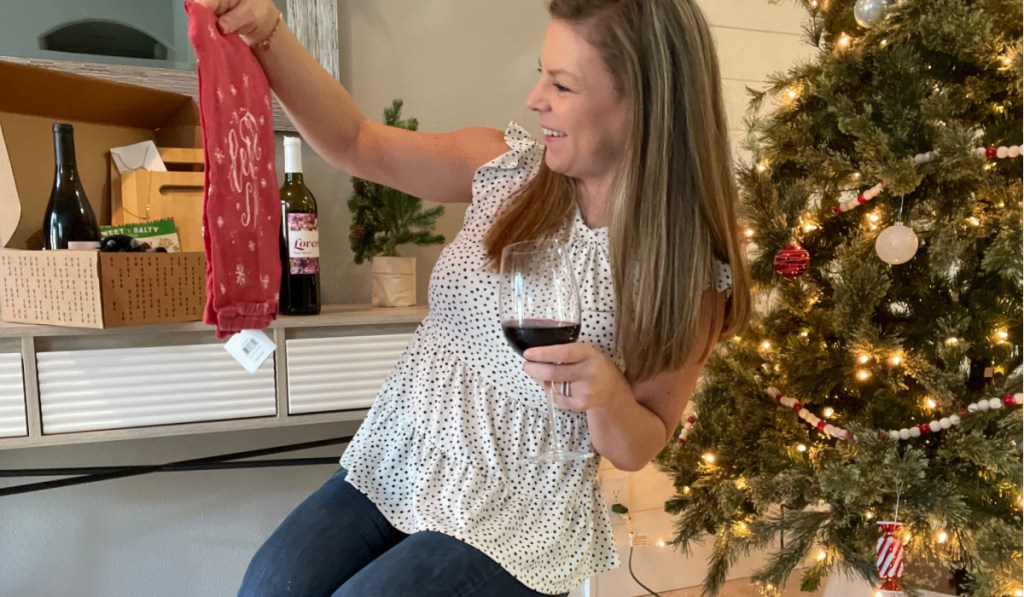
(540, 306)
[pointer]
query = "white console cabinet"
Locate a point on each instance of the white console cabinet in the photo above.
(61, 385)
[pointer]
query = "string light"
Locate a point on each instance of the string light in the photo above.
(973, 221)
(883, 43)
(762, 165)
(907, 537)
(766, 345)
(1002, 335)
(687, 490)
(895, 359)
(863, 375)
(827, 412)
(931, 404)
(804, 333)
(709, 458)
(748, 232)
(801, 448)
(822, 555)
(810, 226)
(863, 359)
(873, 217)
(952, 341)
(844, 41)
(661, 543)
(942, 537)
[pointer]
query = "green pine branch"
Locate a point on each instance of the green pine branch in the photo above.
(383, 218)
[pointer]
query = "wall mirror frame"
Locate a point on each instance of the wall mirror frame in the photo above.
(315, 23)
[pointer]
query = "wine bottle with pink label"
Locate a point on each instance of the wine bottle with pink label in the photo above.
(300, 238)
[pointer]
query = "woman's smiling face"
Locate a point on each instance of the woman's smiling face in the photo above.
(585, 121)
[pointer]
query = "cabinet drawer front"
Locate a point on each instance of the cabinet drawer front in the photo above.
(12, 396)
(87, 390)
(344, 373)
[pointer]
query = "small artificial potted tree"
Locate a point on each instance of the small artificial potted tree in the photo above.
(383, 219)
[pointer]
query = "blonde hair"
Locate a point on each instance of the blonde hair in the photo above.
(673, 207)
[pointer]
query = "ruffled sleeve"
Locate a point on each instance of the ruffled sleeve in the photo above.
(499, 179)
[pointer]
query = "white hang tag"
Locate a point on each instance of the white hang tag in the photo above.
(250, 348)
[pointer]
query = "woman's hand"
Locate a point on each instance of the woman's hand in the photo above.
(593, 379)
(252, 19)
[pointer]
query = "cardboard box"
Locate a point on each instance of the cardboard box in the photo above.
(101, 290)
(86, 288)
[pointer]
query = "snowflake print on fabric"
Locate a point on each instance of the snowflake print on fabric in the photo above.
(234, 102)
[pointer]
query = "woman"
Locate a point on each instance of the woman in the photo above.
(435, 495)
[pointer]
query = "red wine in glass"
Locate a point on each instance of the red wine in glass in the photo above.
(531, 333)
(540, 306)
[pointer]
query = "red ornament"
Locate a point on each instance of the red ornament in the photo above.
(990, 152)
(889, 556)
(792, 261)
(1008, 400)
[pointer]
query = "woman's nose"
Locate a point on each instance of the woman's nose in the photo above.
(535, 100)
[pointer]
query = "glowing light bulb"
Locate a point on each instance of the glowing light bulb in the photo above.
(863, 359)
(661, 543)
(863, 375)
(748, 232)
(810, 226)
(762, 165)
(931, 404)
(952, 341)
(973, 221)
(883, 43)
(907, 537)
(792, 93)
(942, 537)
(709, 458)
(822, 555)
(873, 217)
(801, 448)
(804, 333)
(1002, 335)
(814, 3)
(895, 359)
(766, 345)
(827, 412)
(687, 490)
(844, 41)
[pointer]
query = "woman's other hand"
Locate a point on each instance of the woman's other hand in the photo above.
(252, 19)
(593, 379)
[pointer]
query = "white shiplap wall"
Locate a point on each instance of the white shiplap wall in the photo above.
(754, 38)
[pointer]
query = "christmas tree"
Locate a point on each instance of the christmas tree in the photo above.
(384, 218)
(881, 379)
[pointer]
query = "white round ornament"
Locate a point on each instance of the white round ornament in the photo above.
(869, 12)
(896, 244)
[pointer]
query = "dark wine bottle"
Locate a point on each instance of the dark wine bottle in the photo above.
(300, 238)
(69, 222)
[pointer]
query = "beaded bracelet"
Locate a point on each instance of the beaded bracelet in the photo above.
(265, 44)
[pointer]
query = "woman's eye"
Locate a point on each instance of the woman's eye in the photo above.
(561, 87)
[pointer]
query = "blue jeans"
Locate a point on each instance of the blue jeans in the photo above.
(337, 543)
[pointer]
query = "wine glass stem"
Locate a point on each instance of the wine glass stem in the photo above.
(553, 446)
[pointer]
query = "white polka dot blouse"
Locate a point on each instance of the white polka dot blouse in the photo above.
(445, 444)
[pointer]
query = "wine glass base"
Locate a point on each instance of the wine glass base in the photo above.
(557, 456)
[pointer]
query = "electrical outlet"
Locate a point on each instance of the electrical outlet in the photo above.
(615, 489)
